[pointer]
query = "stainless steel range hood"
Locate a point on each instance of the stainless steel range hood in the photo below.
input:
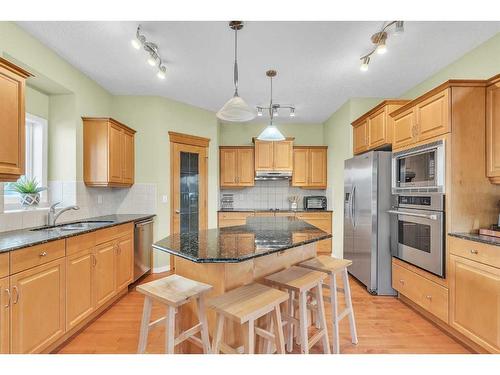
(272, 175)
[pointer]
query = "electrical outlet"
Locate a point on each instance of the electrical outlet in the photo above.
(164, 198)
(99, 199)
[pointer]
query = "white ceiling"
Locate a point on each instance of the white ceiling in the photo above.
(317, 62)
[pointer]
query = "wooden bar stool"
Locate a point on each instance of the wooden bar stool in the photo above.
(174, 291)
(299, 282)
(245, 305)
(332, 267)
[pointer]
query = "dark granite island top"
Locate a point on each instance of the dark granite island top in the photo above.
(489, 240)
(259, 237)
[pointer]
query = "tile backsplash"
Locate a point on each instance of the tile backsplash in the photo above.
(139, 199)
(268, 194)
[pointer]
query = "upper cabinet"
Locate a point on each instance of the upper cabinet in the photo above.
(373, 130)
(310, 167)
(493, 130)
(108, 153)
(426, 117)
(236, 166)
(274, 156)
(12, 120)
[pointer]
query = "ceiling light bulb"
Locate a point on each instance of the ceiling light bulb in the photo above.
(162, 72)
(381, 48)
(259, 111)
(275, 112)
(151, 61)
(364, 64)
(292, 112)
(135, 43)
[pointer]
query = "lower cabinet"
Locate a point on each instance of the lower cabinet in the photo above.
(4, 316)
(79, 287)
(104, 273)
(323, 221)
(37, 307)
(124, 261)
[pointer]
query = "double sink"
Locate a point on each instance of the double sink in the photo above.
(79, 225)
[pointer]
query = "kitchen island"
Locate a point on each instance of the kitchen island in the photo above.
(229, 257)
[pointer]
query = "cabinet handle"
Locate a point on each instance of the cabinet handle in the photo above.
(94, 260)
(8, 301)
(429, 297)
(474, 251)
(14, 288)
(402, 282)
(43, 254)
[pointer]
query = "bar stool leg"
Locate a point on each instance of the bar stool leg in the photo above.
(267, 346)
(249, 337)
(348, 303)
(202, 317)
(219, 328)
(322, 318)
(335, 314)
(290, 325)
(278, 331)
(143, 334)
(304, 346)
(170, 330)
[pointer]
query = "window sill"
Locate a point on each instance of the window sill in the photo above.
(11, 210)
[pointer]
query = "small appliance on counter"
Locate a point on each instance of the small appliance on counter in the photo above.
(315, 202)
(227, 201)
(494, 229)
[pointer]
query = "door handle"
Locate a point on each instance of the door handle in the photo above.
(14, 288)
(8, 300)
(177, 211)
(430, 217)
(353, 210)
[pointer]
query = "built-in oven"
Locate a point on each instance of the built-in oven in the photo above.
(421, 167)
(417, 230)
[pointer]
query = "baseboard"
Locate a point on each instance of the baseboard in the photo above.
(161, 269)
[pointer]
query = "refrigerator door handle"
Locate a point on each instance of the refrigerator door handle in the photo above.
(353, 211)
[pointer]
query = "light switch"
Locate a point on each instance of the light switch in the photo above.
(164, 198)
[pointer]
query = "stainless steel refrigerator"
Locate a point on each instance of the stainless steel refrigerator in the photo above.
(367, 198)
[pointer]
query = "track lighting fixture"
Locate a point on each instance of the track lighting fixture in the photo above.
(154, 58)
(379, 40)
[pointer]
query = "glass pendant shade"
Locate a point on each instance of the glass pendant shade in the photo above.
(236, 110)
(271, 133)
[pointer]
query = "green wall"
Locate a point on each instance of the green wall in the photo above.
(242, 134)
(37, 103)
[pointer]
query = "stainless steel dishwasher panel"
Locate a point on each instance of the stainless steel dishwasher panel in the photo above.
(143, 247)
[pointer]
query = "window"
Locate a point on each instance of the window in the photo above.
(36, 160)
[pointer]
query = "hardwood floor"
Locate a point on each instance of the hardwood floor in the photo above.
(385, 325)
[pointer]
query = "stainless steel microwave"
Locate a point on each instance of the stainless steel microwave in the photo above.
(419, 169)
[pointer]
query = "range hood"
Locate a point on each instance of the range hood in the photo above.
(273, 175)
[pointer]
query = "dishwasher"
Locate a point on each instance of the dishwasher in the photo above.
(143, 247)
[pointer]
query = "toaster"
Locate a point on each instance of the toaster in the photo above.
(315, 202)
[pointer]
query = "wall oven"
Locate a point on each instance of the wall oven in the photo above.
(417, 230)
(421, 168)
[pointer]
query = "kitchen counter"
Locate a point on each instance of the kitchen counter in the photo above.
(268, 210)
(260, 236)
(490, 240)
(21, 238)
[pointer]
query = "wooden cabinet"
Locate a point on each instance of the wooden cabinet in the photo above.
(323, 221)
(5, 301)
(404, 129)
(493, 130)
(124, 261)
(79, 287)
(475, 301)
(231, 219)
(12, 120)
(37, 307)
(373, 130)
(104, 273)
(310, 167)
(236, 167)
(274, 156)
(108, 153)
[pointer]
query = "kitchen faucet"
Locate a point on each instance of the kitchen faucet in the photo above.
(52, 215)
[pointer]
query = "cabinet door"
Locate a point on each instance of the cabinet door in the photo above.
(12, 126)
(124, 262)
(404, 129)
(263, 155)
(317, 168)
(5, 301)
(360, 138)
(128, 158)
(475, 301)
(377, 129)
(115, 169)
(493, 132)
(37, 308)
(228, 167)
(104, 273)
(433, 116)
(283, 155)
(246, 169)
(300, 167)
(79, 287)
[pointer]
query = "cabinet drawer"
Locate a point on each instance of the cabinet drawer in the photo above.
(479, 252)
(425, 293)
(112, 233)
(79, 243)
(4, 265)
(33, 256)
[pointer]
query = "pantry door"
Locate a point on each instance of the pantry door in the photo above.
(188, 186)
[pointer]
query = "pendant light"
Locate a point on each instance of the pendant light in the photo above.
(235, 109)
(271, 132)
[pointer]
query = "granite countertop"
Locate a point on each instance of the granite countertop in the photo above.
(268, 210)
(17, 239)
(490, 240)
(258, 237)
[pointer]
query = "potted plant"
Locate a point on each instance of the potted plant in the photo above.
(28, 190)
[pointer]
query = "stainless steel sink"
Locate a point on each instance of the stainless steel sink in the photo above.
(79, 225)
